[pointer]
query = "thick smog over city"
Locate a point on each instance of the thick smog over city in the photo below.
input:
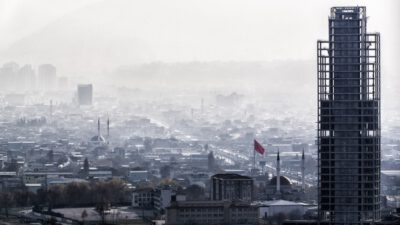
(189, 112)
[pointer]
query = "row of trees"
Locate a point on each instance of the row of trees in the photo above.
(95, 193)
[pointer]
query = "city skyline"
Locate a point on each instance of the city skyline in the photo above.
(199, 112)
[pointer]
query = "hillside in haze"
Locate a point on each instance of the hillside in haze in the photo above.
(278, 78)
(192, 44)
(107, 34)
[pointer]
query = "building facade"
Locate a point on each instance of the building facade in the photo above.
(231, 186)
(349, 120)
(211, 212)
(47, 75)
(162, 197)
(276, 207)
(85, 94)
(143, 198)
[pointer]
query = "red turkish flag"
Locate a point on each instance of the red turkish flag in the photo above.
(258, 147)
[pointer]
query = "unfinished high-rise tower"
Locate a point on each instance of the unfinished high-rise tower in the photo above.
(349, 124)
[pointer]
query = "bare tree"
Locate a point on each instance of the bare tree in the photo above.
(84, 215)
(6, 201)
(195, 192)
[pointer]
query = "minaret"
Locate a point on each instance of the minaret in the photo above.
(108, 130)
(303, 184)
(278, 174)
(98, 129)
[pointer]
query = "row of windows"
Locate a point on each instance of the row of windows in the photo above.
(347, 111)
(199, 220)
(347, 164)
(347, 200)
(210, 215)
(216, 210)
(348, 97)
(341, 132)
(339, 129)
(344, 178)
(215, 217)
(202, 210)
(234, 182)
(340, 142)
(347, 73)
(355, 156)
(348, 209)
(366, 104)
(243, 215)
(349, 193)
(355, 52)
(144, 196)
(348, 148)
(344, 23)
(350, 171)
(349, 185)
(345, 38)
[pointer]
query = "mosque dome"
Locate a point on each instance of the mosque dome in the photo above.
(284, 181)
(97, 138)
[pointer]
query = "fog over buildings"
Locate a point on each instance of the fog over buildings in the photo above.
(141, 111)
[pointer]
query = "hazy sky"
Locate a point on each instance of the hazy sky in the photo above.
(94, 33)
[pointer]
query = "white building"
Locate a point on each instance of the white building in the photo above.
(100, 174)
(162, 198)
(271, 208)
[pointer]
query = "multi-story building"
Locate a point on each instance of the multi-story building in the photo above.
(26, 77)
(47, 77)
(42, 177)
(143, 198)
(211, 212)
(390, 182)
(231, 186)
(349, 120)
(9, 181)
(8, 76)
(162, 197)
(276, 207)
(85, 94)
(159, 198)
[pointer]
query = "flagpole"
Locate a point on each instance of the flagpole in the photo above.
(254, 158)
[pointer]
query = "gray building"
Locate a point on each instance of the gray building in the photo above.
(85, 94)
(211, 212)
(47, 75)
(231, 186)
(349, 120)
